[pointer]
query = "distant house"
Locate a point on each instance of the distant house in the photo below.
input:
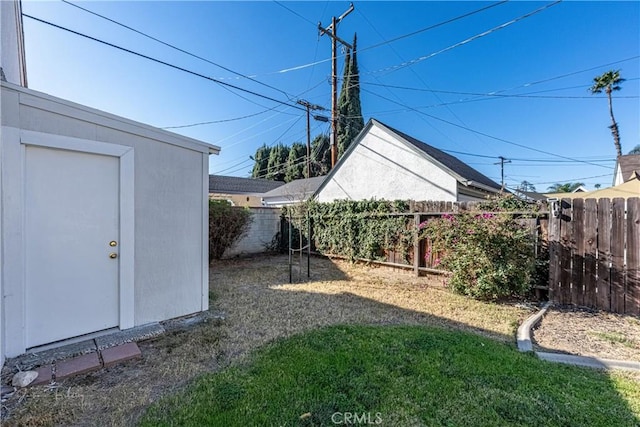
(580, 189)
(384, 163)
(625, 168)
(628, 189)
(293, 192)
(530, 196)
(246, 192)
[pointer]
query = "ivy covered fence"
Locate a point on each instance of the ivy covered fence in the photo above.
(490, 249)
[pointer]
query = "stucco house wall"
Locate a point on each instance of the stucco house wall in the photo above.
(168, 261)
(382, 167)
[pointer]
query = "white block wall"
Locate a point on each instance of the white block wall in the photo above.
(266, 224)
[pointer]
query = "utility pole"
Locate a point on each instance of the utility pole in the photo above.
(501, 163)
(332, 31)
(309, 106)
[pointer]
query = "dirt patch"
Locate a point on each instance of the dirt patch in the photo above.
(589, 333)
(258, 305)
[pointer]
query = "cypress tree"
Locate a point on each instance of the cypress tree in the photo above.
(355, 107)
(296, 163)
(320, 156)
(277, 162)
(350, 120)
(261, 159)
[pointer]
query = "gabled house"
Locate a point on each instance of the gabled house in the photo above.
(384, 163)
(292, 192)
(628, 189)
(246, 192)
(625, 168)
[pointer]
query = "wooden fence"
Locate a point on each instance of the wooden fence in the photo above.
(426, 259)
(594, 249)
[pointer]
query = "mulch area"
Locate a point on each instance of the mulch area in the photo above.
(589, 333)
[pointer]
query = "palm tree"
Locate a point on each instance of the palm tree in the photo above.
(569, 187)
(608, 82)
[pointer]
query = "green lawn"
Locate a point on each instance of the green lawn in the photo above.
(400, 376)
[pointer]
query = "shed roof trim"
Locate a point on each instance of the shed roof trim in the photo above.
(35, 99)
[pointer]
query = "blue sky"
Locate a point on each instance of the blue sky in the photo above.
(520, 87)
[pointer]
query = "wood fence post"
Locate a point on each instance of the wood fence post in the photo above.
(577, 253)
(416, 244)
(632, 291)
(566, 230)
(603, 299)
(590, 245)
(554, 249)
(617, 255)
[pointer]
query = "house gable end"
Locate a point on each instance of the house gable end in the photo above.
(382, 165)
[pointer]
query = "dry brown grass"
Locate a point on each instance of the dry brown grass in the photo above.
(259, 305)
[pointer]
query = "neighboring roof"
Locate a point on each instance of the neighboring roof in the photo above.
(628, 189)
(531, 195)
(296, 188)
(236, 185)
(464, 170)
(628, 164)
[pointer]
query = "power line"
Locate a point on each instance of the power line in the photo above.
(175, 47)
(422, 80)
(448, 21)
(468, 40)
(298, 161)
(572, 179)
(176, 67)
(484, 134)
(217, 121)
(241, 117)
(294, 12)
(499, 95)
(300, 67)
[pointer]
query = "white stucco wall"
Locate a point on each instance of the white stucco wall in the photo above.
(381, 167)
(12, 59)
(170, 203)
(265, 225)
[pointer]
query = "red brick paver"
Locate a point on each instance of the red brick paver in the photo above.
(78, 365)
(120, 353)
(44, 375)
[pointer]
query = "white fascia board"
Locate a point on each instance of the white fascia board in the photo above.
(63, 107)
(480, 186)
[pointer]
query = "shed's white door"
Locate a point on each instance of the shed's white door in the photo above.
(71, 216)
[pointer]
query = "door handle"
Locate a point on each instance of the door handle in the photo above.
(113, 243)
(113, 255)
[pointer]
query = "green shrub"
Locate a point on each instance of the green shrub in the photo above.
(490, 255)
(227, 224)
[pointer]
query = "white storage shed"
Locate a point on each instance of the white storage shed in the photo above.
(103, 222)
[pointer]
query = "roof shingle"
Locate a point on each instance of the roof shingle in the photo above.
(237, 185)
(457, 166)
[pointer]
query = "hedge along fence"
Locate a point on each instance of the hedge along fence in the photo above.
(227, 225)
(396, 234)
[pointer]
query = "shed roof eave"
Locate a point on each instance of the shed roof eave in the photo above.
(44, 101)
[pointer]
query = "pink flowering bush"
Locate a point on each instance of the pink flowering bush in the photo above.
(490, 255)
